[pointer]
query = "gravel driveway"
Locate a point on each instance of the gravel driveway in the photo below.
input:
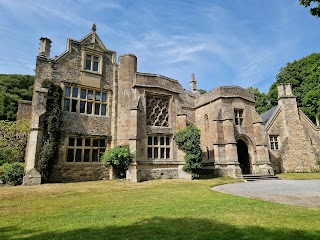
(304, 193)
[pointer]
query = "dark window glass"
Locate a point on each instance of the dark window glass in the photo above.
(82, 107)
(89, 108)
(95, 66)
(98, 96)
(87, 142)
(78, 155)
(167, 153)
(167, 141)
(155, 139)
(96, 58)
(103, 109)
(79, 142)
(104, 97)
(95, 155)
(71, 141)
(149, 152)
(86, 157)
(149, 140)
(74, 105)
(97, 108)
(156, 154)
(70, 155)
(161, 140)
(67, 92)
(66, 105)
(90, 94)
(162, 152)
(102, 143)
(83, 94)
(75, 92)
(88, 62)
(96, 142)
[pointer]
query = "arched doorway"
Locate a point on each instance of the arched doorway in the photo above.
(243, 157)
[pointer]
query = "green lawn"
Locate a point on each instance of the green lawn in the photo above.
(299, 176)
(161, 209)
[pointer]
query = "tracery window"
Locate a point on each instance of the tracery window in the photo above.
(159, 147)
(85, 101)
(274, 142)
(82, 149)
(157, 111)
(238, 116)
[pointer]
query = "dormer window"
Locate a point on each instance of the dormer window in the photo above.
(92, 63)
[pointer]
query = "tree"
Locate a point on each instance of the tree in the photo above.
(315, 9)
(262, 100)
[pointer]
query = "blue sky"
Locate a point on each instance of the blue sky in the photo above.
(224, 42)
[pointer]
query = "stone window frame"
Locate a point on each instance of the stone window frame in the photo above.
(77, 99)
(163, 96)
(238, 116)
(206, 122)
(159, 147)
(274, 142)
(93, 54)
(85, 149)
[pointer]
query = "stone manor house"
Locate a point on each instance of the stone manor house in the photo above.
(108, 103)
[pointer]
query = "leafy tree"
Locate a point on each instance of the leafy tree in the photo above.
(262, 100)
(315, 9)
(202, 91)
(119, 158)
(188, 140)
(12, 88)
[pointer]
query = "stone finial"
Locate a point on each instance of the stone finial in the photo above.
(94, 27)
(193, 83)
(44, 49)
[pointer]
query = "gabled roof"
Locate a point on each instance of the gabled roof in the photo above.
(268, 114)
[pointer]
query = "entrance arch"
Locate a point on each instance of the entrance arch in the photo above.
(243, 157)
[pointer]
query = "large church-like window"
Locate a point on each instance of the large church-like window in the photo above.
(157, 111)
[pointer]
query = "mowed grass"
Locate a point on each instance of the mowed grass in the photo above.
(161, 209)
(299, 176)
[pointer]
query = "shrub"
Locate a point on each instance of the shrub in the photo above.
(188, 140)
(119, 158)
(13, 173)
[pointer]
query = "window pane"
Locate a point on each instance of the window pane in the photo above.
(70, 155)
(156, 154)
(75, 92)
(87, 142)
(167, 141)
(88, 64)
(82, 106)
(168, 153)
(95, 155)
(155, 139)
(88, 56)
(79, 142)
(74, 105)
(83, 94)
(95, 66)
(66, 105)
(67, 91)
(102, 143)
(103, 109)
(71, 141)
(78, 155)
(90, 94)
(162, 152)
(86, 157)
(149, 140)
(149, 152)
(89, 107)
(96, 142)
(161, 140)
(97, 109)
(104, 97)
(96, 58)
(98, 96)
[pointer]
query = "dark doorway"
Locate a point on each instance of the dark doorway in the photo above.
(243, 157)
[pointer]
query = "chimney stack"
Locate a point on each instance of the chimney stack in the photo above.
(44, 49)
(193, 83)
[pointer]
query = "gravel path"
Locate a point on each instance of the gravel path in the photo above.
(304, 193)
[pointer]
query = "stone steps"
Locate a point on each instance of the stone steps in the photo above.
(255, 177)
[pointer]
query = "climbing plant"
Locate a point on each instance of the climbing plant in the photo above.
(51, 130)
(188, 140)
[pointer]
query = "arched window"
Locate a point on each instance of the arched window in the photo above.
(206, 122)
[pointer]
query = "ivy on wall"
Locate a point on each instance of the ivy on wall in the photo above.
(51, 129)
(188, 140)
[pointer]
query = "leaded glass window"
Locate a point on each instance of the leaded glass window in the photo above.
(157, 111)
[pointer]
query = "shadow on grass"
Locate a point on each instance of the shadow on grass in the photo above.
(166, 228)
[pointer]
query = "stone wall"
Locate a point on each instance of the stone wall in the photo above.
(24, 110)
